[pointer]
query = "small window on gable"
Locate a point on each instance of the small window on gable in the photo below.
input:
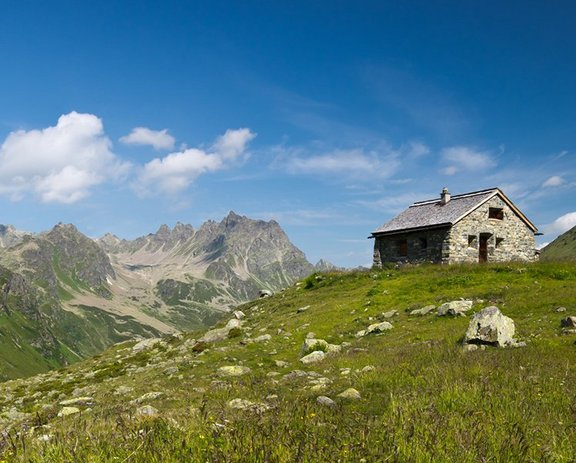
(423, 243)
(402, 247)
(499, 242)
(496, 213)
(471, 241)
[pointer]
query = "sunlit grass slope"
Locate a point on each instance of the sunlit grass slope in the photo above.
(421, 397)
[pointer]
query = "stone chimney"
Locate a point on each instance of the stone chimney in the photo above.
(444, 196)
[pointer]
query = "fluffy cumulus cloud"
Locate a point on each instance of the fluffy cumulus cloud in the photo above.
(159, 139)
(463, 158)
(177, 171)
(561, 224)
(553, 181)
(60, 163)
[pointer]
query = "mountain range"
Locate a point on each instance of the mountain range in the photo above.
(562, 248)
(64, 296)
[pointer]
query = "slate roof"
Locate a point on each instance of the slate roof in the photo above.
(433, 214)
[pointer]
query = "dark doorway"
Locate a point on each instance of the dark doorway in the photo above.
(483, 247)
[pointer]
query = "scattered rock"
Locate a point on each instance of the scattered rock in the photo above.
(560, 309)
(379, 327)
(68, 411)
(243, 404)
(313, 357)
(423, 311)
(219, 334)
(146, 410)
(389, 314)
(568, 322)
(281, 363)
(454, 308)
(171, 371)
(239, 315)
(302, 309)
(265, 293)
(263, 338)
(148, 396)
(313, 344)
(351, 394)
(86, 401)
(491, 327)
(145, 344)
(233, 370)
(368, 368)
(326, 401)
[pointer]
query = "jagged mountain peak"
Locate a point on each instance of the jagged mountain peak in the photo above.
(10, 236)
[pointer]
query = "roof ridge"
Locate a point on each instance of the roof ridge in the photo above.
(462, 195)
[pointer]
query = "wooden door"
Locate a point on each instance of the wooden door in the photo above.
(483, 248)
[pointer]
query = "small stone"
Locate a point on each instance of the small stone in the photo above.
(350, 393)
(86, 401)
(148, 396)
(454, 308)
(239, 315)
(281, 363)
(423, 311)
(263, 338)
(368, 368)
(379, 327)
(310, 335)
(68, 411)
(568, 322)
(171, 371)
(560, 309)
(360, 334)
(146, 344)
(313, 357)
(326, 401)
(389, 314)
(146, 410)
(302, 309)
(233, 370)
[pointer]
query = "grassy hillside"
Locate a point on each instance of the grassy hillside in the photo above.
(562, 248)
(421, 397)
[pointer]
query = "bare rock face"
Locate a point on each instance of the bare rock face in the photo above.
(491, 327)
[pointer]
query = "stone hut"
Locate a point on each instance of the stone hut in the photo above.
(480, 226)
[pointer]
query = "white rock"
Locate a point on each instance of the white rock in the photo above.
(350, 393)
(490, 326)
(68, 411)
(146, 410)
(263, 338)
(233, 370)
(326, 401)
(145, 344)
(379, 327)
(239, 315)
(454, 308)
(423, 311)
(313, 357)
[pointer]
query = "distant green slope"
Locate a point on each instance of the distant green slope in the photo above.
(562, 248)
(422, 398)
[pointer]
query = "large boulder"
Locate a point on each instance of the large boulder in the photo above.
(491, 327)
(454, 308)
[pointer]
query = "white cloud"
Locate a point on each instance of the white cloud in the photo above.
(353, 163)
(553, 181)
(159, 139)
(176, 171)
(462, 158)
(561, 224)
(60, 163)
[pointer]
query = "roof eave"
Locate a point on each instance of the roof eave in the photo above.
(409, 230)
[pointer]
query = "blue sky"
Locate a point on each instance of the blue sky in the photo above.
(328, 116)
